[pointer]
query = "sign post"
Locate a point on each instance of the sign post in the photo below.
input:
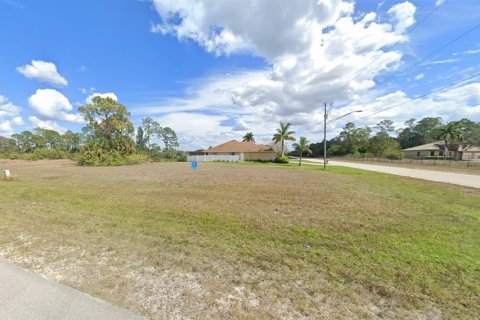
(194, 165)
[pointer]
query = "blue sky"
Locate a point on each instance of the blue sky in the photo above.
(214, 70)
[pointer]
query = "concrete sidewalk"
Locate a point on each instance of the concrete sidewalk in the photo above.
(27, 296)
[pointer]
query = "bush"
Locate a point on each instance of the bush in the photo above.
(11, 155)
(182, 157)
(283, 159)
(94, 155)
(394, 155)
(138, 159)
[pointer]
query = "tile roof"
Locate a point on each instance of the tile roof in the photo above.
(237, 146)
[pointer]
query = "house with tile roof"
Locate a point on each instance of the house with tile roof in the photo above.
(246, 151)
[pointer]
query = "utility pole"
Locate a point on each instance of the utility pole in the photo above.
(325, 116)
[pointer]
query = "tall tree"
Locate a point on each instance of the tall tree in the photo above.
(169, 138)
(248, 137)
(72, 141)
(151, 129)
(428, 128)
(25, 141)
(108, 125)
(471, 132)
(354, 140)
(46, 138)
(283, 134)
(385, 126)
(408, 137)
(382, 142)
(450, 134)
(140, 139)
(302, 147)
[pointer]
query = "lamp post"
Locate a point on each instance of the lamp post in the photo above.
(325, 133)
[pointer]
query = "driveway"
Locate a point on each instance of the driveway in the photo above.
(27, 296)
(461, 179)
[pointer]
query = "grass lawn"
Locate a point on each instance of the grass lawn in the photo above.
(251, 241)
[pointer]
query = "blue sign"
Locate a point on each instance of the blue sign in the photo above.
(194, 165)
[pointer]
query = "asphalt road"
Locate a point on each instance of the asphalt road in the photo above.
(461, 179)
(27, 296)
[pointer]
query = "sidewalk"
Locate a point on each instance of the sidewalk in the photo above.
(27, 296)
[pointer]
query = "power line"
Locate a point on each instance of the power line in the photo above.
(433, 53)
(375, 59)
(421, 96)
(442, 47)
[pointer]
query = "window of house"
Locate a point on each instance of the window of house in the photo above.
(441, 153)
(432, 153)
(418, 153)
(232, 153)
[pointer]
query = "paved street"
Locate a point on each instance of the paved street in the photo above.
(27, 296)
(466, 180)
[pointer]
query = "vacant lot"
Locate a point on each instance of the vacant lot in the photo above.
(232, 241)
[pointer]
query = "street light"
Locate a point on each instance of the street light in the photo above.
(325, 133)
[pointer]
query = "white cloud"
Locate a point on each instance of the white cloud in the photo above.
(307, 61)
(101, 95)
(221, 27)
(439, 3)
(9, 116)
(53, 105)
(7, 108)
(420, 76)
(240, 125)
(17, 121)
(317, 50)
(473, 51)
(44, 72)
(404, 15)
(444, 61)
(212, 94)
(452, 104)
(196, 130)
(46, 124)
(6, 128)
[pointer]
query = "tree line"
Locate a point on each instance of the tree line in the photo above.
(107, 139)
(381, 140)
(384, 140)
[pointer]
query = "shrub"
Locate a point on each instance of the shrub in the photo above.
(138, 159)
(394, 155)
(283, 159)
(95, 155)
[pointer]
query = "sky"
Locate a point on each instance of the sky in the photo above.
(213, 70)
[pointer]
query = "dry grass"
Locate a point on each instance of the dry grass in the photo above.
(228, 241)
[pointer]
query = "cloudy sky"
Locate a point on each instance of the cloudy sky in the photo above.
(213, 70)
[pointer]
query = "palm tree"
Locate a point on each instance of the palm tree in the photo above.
(302, 147)
(450, 132)
(248, 137)
(283, 135)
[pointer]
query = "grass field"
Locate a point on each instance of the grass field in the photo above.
(247, 241)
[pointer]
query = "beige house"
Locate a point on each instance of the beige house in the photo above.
(437, 149)
(245, 150)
